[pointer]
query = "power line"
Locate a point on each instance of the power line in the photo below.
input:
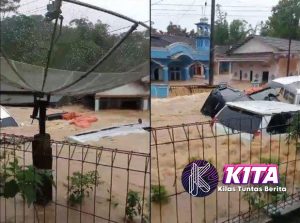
(156, 3)
(179, 10)
(228, 15)
(125, 27)
(39, 9)
(248, 10)
(225, 6)
(28, 3)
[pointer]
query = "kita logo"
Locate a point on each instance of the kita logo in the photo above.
(254, 174)
(199, 178)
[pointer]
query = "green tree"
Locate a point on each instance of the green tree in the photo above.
(28, 40)
(238, 31)
(176, 30)
(221, 28)
(284, 22)
(8, 6)
(80, 45)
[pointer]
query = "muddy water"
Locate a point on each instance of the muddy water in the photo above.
(219, 206)
(98, 203)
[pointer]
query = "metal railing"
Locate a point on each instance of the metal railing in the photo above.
(123, 175)
(173, 147)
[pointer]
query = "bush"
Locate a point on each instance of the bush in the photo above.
(133, 206)
(81, 185)
(159, 194)
(294, 131)
(27, 181)
(260, 199)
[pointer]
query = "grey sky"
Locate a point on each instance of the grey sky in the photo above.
(253, 11)
(135, 9)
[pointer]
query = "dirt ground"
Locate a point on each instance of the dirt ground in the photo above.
(173, 156)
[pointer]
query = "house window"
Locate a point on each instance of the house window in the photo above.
(175, 73)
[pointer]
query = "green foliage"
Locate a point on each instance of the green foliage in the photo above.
(81, 185)
(284, 21)
(173, 29)
(237, 31)
(294, 130)
(259, 199)
(270, 160)
(159, 194)
(9, 6)
(221, 27)
(230, 33)
(133, 206)
(26, 181)
(80, 45)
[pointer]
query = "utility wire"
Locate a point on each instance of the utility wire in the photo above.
(225, 6)
(196, 14)
(236, 10)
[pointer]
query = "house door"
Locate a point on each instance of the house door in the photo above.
(265, 76)
(199, 70)
(175, 73)
(156, 74)
(251, 75)
(241, 75)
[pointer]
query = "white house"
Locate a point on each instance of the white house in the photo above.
(262, 59)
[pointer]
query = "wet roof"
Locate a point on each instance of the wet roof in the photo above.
(164, 40)
(277, 43)
(287, 80)
(264, 107)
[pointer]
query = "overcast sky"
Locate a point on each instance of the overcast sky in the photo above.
(135, 9)
(186, 13)
(183, 12)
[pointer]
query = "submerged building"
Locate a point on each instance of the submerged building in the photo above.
(179, 58)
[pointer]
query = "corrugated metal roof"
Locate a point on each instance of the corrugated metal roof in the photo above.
(277, 43)
(264, 107)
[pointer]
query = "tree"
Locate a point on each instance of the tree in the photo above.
(176, 30)
(80, 45)
(238, 31)
(8, 6)
(284, 22)
(221, 28)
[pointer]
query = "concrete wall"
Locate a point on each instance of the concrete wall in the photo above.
(275, 68)
(159, 90)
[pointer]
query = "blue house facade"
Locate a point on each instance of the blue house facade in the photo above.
(178, 58)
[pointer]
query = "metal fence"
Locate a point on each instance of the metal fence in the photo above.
(120, 193)
(173, 147)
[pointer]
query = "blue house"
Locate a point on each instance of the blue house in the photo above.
(178, 58)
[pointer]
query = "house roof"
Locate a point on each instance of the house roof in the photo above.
(277, 43)
(264, 107)
(221, 50)
(133, 89)
(164, 40)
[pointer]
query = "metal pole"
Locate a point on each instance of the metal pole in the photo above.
(42, 152)
(289, 57)
(211, 54)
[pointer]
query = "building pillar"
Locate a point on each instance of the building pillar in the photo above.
(230, 68)
(97, 104)
(186, 73)
(206, 73)
(165, 70)
(144, 104)
(218, 69)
